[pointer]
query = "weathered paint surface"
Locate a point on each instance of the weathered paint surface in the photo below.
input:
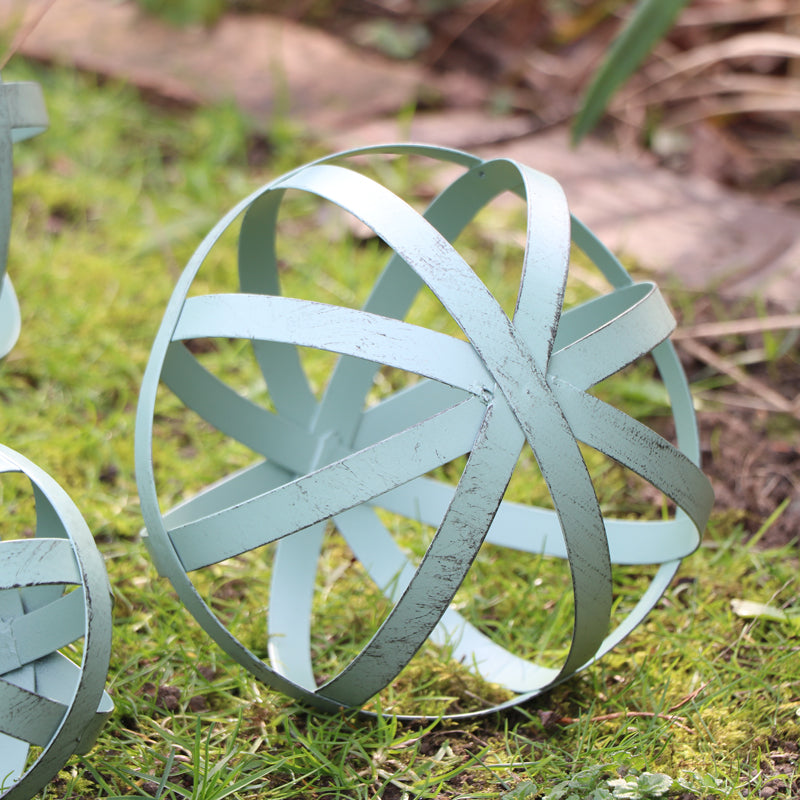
(514, 380)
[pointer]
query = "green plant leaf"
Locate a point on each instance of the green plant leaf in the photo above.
(650, 21)
(524, 791)
(583, 785)
(654, 784)
(625, 789)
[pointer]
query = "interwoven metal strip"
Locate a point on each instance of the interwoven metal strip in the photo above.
(22, 115)
(53, 593)
(514, 380)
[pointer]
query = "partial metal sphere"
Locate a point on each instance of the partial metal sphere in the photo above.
(22, 115)
(53, 593)
(339, 460)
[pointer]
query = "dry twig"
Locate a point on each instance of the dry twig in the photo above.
(738, 327)
(675, 720)
(25, 31)
(775, 400)
(669, 716)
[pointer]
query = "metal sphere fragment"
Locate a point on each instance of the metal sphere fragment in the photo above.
(337, 460)
(54, 593)
(22, 115)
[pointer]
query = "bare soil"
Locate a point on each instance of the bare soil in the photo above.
(752, 454)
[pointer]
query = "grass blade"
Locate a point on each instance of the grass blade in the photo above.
(651, 19)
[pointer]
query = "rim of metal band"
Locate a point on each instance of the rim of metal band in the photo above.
(163, 555)
(66, 703)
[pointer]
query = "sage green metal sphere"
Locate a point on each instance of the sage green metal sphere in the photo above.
(511, 380)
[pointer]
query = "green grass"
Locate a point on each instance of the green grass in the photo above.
(109, 205)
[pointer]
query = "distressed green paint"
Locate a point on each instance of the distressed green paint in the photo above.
(514, 380)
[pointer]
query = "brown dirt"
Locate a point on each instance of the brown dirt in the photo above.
(752, 455)
(754, 473)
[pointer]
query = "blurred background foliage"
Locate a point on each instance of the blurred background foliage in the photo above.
(707, 86)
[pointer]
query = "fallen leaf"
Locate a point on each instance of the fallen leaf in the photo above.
(750, 609)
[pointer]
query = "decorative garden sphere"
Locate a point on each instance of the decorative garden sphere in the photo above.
(22, 115)
(54, 593)
(350, 461)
